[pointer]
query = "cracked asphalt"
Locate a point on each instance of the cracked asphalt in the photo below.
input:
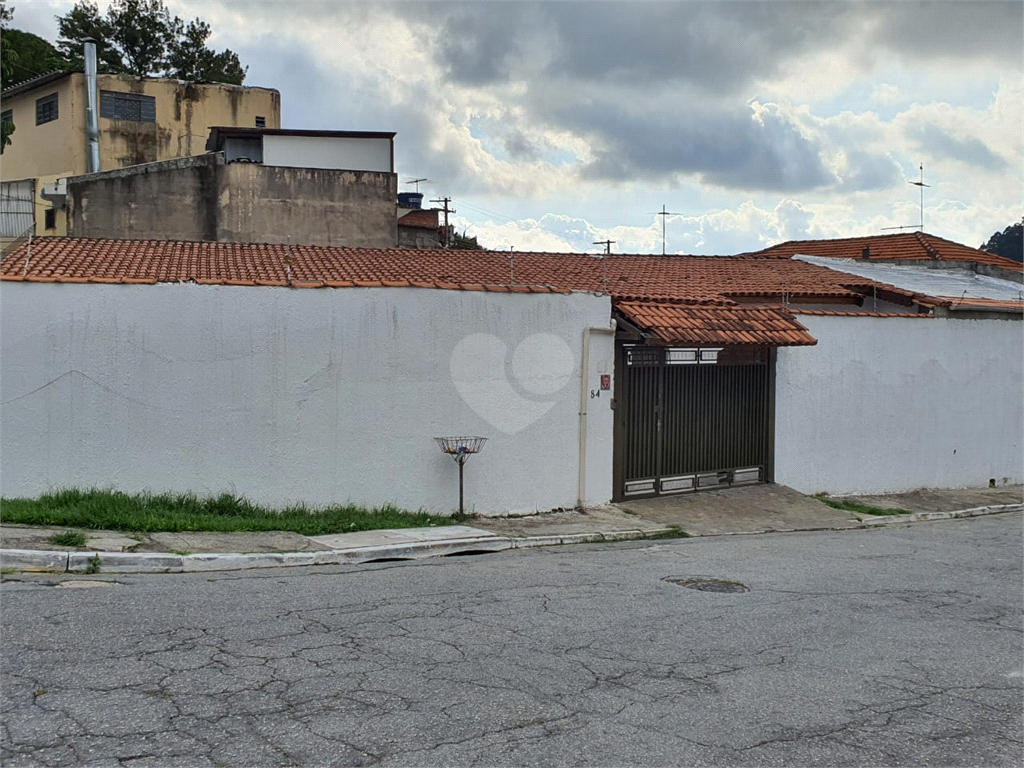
(898, 646)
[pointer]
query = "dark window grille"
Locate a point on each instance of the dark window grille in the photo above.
(46, 109)
(261, 122)
(135, 107)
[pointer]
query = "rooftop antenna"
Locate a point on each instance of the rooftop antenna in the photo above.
(922, 185)
(664, 215)
(417, 183)
(604, 262)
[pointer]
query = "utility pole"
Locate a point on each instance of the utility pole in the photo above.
(447, 232)
(664, 215)
(606, 243)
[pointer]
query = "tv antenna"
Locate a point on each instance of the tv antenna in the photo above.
(922, 185)
(664, 216)
(604, 262)
(417, 183)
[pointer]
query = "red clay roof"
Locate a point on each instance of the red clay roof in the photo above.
(905, 246)
(687, 324)
(845, 313)
(693, 279)
(966, 302)
(420, 219)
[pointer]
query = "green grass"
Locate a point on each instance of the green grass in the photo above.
(69, 539)
(174, 512)
(853, 506)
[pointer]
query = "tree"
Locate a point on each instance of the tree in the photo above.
(191, 59)
(30, 56)
(142, 38)
(463, 243)
(83, 21)
(1008, 243)
(8, 60)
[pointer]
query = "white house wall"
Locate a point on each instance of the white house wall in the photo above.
(346, 153)
(889, 404)
(312, 395)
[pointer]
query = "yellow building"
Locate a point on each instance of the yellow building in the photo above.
(141, 120)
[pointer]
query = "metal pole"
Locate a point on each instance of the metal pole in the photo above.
(664, 216)
(462, 511)
(92, 123)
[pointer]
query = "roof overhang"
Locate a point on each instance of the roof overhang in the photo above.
(672, 323)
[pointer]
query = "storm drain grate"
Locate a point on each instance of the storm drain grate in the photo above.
(708, 583)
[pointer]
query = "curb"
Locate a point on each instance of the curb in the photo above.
(37, 561)
(872, 521)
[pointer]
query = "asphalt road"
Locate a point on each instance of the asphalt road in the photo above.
(899, 646)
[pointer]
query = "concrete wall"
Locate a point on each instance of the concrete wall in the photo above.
(893, 404)
(202, 199)
(185, 112)
(338, 152)
(307, 395)
(266, 204)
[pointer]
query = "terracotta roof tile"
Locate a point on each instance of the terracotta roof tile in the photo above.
(845, 313)
(966, 302)
(422, 218)
(708, 280)
(676, 323)
(905, 246)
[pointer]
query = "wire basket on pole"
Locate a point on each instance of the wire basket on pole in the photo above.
(460, 449)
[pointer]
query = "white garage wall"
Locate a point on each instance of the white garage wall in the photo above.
(313, 395)
(887, 404)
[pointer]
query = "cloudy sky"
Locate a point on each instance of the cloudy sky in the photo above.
(554, 125)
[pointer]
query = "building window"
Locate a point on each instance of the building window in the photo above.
(50, 218)
(46, 109)
(115, 105)
(261, 122)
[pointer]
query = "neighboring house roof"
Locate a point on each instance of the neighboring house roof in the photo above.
(676, 323)
(215, 142)
(954, 288)
(710, 280)
(420, 219)
(36, 82)
(905, 246)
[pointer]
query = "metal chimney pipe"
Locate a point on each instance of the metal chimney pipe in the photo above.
(92, 118)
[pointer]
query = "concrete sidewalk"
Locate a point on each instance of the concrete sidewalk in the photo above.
(741, 510)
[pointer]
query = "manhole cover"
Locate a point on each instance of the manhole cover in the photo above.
(708, 584)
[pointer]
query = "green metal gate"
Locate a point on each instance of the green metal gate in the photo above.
(692, 418)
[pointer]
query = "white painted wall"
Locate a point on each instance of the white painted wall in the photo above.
(894, 404)
(314, 395)
(340, 152)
